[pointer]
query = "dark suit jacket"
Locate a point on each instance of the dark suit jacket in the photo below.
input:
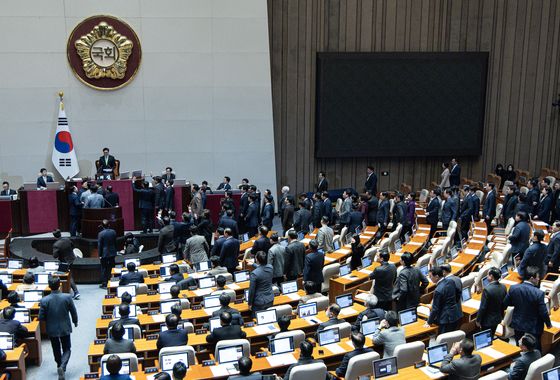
(169, 198)
(330, 322)
(226, 333)
(373, 205)
(384, 276)
(243, 204)
(510, 206)
(11, 326)
(236, 316)
(224, 186)
(287, 217)
(433, 210)
(521, 364)
(491, 310)
(489, 209)
(260, 286)
(446, 305)
(533, 200)
(383, 213)
(553, 250)
(111, 199)
(226, 222)
(109, 165)
(294, 259)
(41, 181)
(261, 244)
(455, 175)
(371, 183)
(519, 237)
(165, 238)
(145, 197)
(159, 195)
(467, 208)
(313, 267)
(9, 192)
(464, 368)
(326, 208)
(165, 177)
(449, 211)
(252, 216)
(267, 215)
(544, 208)
(410, 283)
(172, 338)
(529, 313)
(356, 219)
(63, 250)
(131, 278)
(74, 204)
(535, 256)
(323, 185)
(341, 370)
(107, 243)
(217, 247)
(229, 253)
(55, 310)
(302, 220)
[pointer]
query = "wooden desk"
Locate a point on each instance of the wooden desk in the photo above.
(15, 363)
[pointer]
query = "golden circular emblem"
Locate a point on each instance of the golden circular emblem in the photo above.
(104, 52)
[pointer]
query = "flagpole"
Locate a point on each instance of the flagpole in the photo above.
(61, 96)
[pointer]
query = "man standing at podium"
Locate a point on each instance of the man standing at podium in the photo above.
(43, 179)
(106, 164)
(6, 189)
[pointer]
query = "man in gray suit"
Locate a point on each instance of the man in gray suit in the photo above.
(467, 367)
(276, 255)
(94, 200)
(346, 207)
(261, 295)
(389, 334)
(55, 310)
(325, 236)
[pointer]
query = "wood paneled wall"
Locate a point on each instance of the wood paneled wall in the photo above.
(521, 36)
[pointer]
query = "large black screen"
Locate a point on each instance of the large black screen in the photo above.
(400, 104)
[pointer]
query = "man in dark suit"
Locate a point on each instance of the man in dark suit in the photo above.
(371, 180)
(267, 215)
(535, 255)
(261, 296)
(243, 207)
(519, 237)
(294, 257)
(168, 175)
(432, 211)
(111, 198)
(55, 311)
(124, 316)
(145, 204)
(467, 366)
(173, 337)
(43, 179)
(373, 206)
(227, 331)
(410, 283)
(6, 189)
(489, 209)
(467, 210)
(263, 242)
(245, 364)
(219, 240)
(288, 214)
(529, 313)
(491, 310)
(358, 340)
(355, 219)
(166, 244)
(345, 208)
(316, 210)
(106, 164)
(323, 184)
(332, 313)
(302, 218)
(533, 195)
(132, 276)
(313, 265)
(553, 248)
(455, 174)
(63, 251)
(75, 211)
(305, 357)
(384, 276)
(159, 194)
(252, 216)
(326, 205)
(225, 299)
(446, 304)
(372, 311)
(107, 250)
(449, 210)
(169, 194)
(230, 252)
(529, 354)
(227, 221)
(399, 211)
(225, 184)
(545, 206)
(383, 213)
(10, 325)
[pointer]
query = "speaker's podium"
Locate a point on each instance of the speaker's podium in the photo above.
(93, 217)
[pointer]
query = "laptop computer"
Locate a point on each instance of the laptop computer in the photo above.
(344, 270)
(167, 361)
(206, 282)
(551, 374)
(366, 261)
(132, 312)
(15, 264)
(466, 294)
(214, 323)
(137, 173)
(385, 367)
(124, 175)
(165, 306)
(266, 317)
(281, 345)
(6, 278)
(436, 354)
(22, 315)
(369, 326)
(32, 295)
(6, 342)
(211, 301)
(424, 270)
(482, 339)
(398, 245)
(168, 259)
(51, 266)
(485, 282)
(53, 185)
(307, 309)
(130, 289)
(165, 287)
(125, 368)
(329, 336)
(42, 278)
(336, 245)
(241, 276)
(202, 266)
(245, 238)
(344, 300)
(230, 354)
(408, 316)
(440, 261)
(165, 271)
(289, 287)
(163, 326)
(135, 261)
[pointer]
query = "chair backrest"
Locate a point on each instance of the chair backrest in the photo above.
(509, 226)
(409, 353)
(189, 350)
(329, 271)
(142, 289)
(499, 209)
(143, 272)
(391, 205)
(498, 375)
(141, 248)
(539, 366)
(132, 357)
(554, 295)
(423, 196)
(552, 180)
(78, 252)
(309, 371)
(136, 330)
(345, 329)
(343, 233)
(453, 224)
(298, 335)
(189, 327)
(423, 260)
(282, 310)
(338, 204)
(468, 281)
(322, 302)
(450, 338)
(233, 342)
(480, 195)
(247, 253)
(360, 365)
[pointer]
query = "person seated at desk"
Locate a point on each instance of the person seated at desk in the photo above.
(311, 291)
(216, 267)
(34, 266)
(225, 184)
(467, 366)
(168, 175)
(132, 276)
(28, 284)
(305, 357)
(174, 292)
(176, 274)
(284, 323)
(332, 312)
(529, 354)
(107, 164)
(371, 312)
(179, 371)
(10, 325)
(125, 319)
(131, 244)
(245, 364)
(236, 318)
(220, 285)
(358, 340)
(389, 334)
(114, 364)
(173, 337)
(126, 299)
(14, 299)
(227, 331)
(6, 189)
(43, 179)
(115, 344)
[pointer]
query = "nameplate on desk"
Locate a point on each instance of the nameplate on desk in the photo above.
(157, 262)
(153, 276)
(118, 266)
(249, 324)
(152, 292)
(151, 370)
(115, 278)
(106, 317)
(152, 337)
(153, 312)
(201, 331)
(208, 363)
(237, 302)
(196, 307)
(192, 287)
(100, 341)
(262, 354)
(109, 296)
(91, 376)
(420, 364)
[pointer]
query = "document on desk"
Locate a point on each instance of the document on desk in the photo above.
(509, 282)
(166, 296)
(365, 271)
(282, 359)
(458, 265)
(472, 303)
(265, 329)
(414, 243)
(471, 251)
(329, 259)
(305, 240)
(489, 351)
(293, 296)
(203, 292)
(220, 370)
(233, 286)
(210, 310)
(555, 324)
(335, 348)
(159, 318)
(432, 373)
(348, 311)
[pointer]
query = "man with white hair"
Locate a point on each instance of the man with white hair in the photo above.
(371, 312)
(282, 201)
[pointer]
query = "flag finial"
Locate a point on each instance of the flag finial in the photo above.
(61, 96)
